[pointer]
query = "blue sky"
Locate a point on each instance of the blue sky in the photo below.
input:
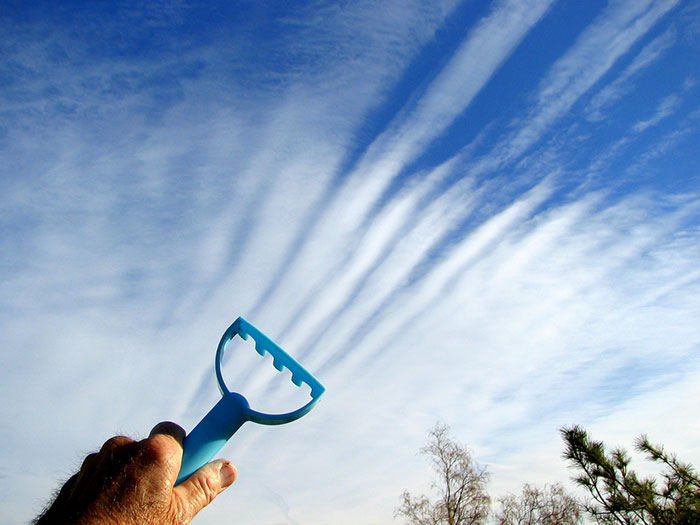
(482, 213)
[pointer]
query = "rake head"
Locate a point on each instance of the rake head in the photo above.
(280, 360)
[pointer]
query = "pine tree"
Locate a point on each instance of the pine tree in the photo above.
(620, 496)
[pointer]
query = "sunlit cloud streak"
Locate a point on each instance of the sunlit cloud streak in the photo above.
(651, 52)
(596, 50)
(445, 98)
(621, 23)
(666, 108)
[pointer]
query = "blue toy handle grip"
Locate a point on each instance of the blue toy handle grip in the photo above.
(212, 432)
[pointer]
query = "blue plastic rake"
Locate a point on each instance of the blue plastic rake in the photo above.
(227, 416)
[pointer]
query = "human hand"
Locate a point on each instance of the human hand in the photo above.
(132, 483)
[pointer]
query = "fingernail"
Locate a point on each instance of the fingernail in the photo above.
(171, 429)
(227, 474)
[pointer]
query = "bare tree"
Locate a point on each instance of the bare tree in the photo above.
(548, 506)
(460, 486)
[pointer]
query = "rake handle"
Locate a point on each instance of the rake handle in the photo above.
(212, 432)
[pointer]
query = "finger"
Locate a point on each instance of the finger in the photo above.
(200, 489)
(89, 462)
(162, 452)
(111, 453)
(99, 469)
(168, 438)
(87, 471)
(61, 501)
(113, 445)
(170, 429)
(66, 491)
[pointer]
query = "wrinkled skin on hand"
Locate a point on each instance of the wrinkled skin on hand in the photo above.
(132, 482)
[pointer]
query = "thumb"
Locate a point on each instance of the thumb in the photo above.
(200, 489)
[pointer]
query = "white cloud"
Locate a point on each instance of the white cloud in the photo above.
(649, 54)
(596, 50)
(546, 309)
(473, 64)
(667, 107)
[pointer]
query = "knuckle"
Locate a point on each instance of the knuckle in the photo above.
(208, 488)
(201, 490)
(115, 443)
(153, 449)
(158, 450)
(89, 461)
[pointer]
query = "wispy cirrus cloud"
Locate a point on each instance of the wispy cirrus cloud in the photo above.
(542, 303)
(649, 54)
(596, 50)
(445, 98)
(590, 51)
(666, 107)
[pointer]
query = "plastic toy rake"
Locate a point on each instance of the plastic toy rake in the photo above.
(227, 416)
